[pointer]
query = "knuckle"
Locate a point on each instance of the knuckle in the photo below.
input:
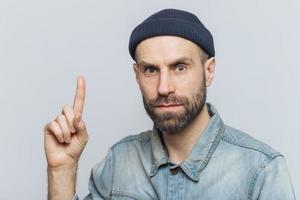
(51, 125)
(55, 127)
(81, 126)
(59, 118)
(58, 134)
(66, 108)
(60, 138)
(65, 131)
(57, 131)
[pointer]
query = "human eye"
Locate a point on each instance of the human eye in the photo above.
(180, 67)
(149, 70)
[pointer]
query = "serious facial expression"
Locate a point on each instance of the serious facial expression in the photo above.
(171, 78)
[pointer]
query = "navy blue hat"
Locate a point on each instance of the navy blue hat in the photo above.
(173, 22)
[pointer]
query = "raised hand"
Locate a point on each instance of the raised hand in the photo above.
(66, 136)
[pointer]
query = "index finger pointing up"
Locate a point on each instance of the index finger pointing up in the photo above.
(80, 95)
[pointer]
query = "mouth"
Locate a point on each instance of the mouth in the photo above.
(168, 106)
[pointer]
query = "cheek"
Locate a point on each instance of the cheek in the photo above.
(148, 89)
(188, 84)
(182, 80)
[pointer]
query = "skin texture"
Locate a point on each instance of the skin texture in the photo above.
(164, 80)
(64, 140)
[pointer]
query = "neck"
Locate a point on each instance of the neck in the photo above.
(179, 145)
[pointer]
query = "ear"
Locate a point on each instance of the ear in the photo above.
(209, 70)
(136, 71)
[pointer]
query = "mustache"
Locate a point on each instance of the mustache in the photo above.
(171, 99)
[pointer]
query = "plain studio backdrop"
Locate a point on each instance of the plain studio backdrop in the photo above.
(45, 45)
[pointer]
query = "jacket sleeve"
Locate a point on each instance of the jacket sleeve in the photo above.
(273, 181)
(100, 181)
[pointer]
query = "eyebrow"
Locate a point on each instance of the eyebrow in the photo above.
(177, 61)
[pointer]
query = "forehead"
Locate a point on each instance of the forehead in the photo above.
(166, 49)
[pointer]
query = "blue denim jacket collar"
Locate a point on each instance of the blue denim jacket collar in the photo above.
(201, 151)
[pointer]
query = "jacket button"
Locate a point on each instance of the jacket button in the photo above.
(175, 171)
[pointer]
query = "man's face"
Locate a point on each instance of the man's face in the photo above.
(171, 77)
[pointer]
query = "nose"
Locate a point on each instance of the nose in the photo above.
(166, 85)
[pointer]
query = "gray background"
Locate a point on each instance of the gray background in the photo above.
(44, 45)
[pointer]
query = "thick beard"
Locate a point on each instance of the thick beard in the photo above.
(172, 122)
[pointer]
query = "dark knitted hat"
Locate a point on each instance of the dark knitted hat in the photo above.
(173, 22)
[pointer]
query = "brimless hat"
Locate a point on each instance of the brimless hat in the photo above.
(173, 22)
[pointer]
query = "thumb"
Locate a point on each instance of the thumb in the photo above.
(81, 132)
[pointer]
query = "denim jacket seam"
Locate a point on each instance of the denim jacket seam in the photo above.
(261, 167)
(156, 165)
(212, 149)
(187, 171)
(168, 183)
(195, 173)
(243, 145)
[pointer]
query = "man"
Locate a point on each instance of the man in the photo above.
(189, 153)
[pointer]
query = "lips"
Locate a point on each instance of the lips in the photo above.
(168, 105)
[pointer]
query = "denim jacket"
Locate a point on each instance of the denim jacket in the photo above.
(224, 164)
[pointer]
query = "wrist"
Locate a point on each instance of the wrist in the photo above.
(61, 182)
(67, 167)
